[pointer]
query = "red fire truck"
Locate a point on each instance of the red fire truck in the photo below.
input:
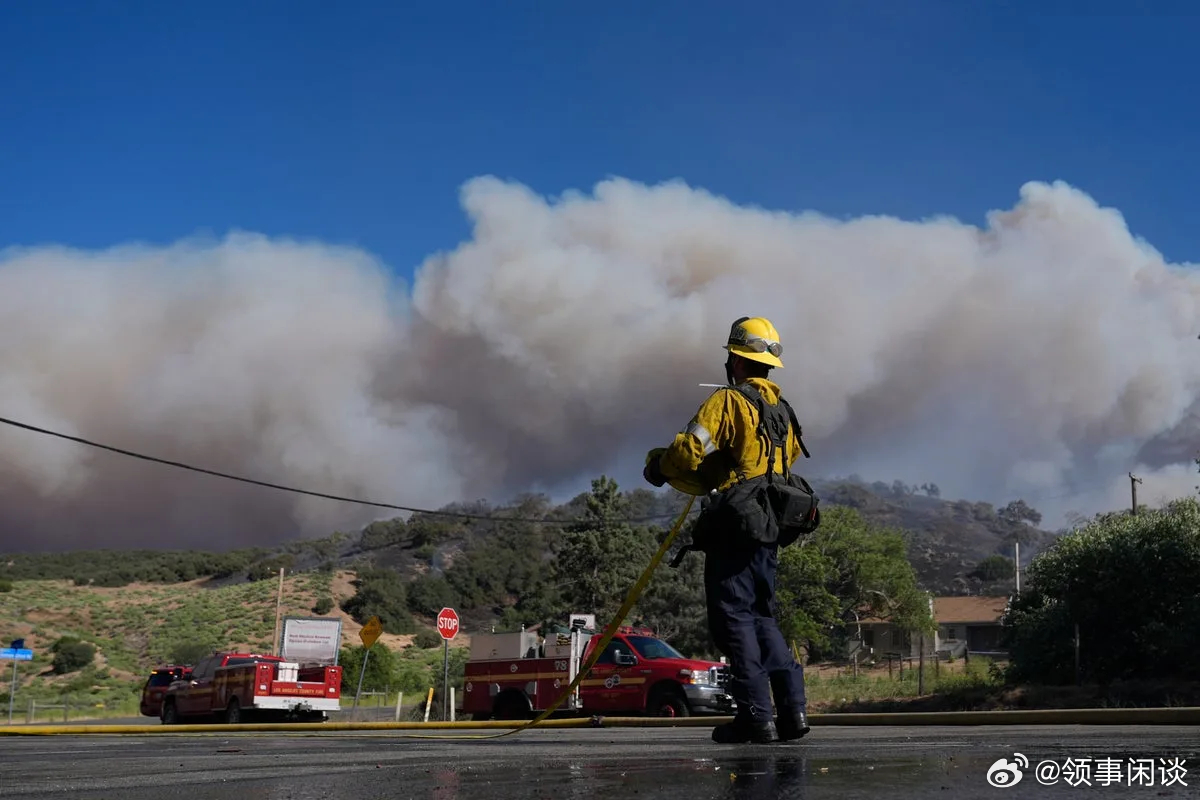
(518, 675)
(235, 686)
(155, 687)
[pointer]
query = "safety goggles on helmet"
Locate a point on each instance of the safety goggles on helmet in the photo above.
(760, 345)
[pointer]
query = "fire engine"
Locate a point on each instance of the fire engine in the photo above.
(518, 675)
(235, 686)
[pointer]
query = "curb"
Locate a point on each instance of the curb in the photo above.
(1051, 716)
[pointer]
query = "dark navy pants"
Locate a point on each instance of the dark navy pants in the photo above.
(739, 586)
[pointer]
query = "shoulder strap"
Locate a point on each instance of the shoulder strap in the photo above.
(796, 425)
(760, 403)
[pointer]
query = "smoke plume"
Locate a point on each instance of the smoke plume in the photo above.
(1043, 356)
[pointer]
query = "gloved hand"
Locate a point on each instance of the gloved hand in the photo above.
(653, 472)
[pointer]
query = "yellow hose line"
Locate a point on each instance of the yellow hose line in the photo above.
(1175, 715)
(1048, 716)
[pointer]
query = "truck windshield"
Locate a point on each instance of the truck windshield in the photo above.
(650, 648)
(161, 678)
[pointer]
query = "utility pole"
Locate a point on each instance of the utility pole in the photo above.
(1017, 564)
(1133, 482)
(278, 611)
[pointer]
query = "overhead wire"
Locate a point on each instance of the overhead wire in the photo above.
(358, 501)
(609, 631)
(492, 517)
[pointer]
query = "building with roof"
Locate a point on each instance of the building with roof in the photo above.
(965, 624)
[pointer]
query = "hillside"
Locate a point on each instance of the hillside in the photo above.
(947, 539)
(139, 625)
(142, 608)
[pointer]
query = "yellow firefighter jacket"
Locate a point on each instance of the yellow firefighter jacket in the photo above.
(721, 441)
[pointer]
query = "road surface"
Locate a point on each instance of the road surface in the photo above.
(832, 762)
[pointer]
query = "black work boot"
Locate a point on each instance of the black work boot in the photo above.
(742, 731)
(792, 725)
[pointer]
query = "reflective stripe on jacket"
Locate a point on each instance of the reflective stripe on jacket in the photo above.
(722, 438)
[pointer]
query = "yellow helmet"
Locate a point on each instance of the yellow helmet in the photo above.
(755, 338)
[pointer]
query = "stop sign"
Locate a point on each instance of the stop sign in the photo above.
(447, 623)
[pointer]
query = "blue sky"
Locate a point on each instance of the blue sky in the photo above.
(357, 123)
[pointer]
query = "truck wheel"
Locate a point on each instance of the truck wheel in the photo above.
(233, 713)
(668, 704)
(170, 715)
(512, 706)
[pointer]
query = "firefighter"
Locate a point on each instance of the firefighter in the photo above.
(718, 449)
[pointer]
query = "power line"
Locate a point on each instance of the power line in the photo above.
(181, 465)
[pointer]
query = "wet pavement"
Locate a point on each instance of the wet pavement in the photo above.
(832, 762)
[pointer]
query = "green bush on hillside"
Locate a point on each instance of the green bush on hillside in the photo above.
(71, 654)
(427, 639)
(323, 606)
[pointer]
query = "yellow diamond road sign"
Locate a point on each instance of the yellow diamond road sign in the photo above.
(370, 632)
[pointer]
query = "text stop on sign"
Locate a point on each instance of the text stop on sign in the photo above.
(447, 623)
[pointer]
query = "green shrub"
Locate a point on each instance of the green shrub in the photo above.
(323, 606)
(5, 585)
(426, 639)
(71, 654)
(381, 668)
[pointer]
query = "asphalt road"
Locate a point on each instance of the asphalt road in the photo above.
(832, 762)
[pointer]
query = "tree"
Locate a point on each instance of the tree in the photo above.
(269, 568)
(380, 593)
(429, 594)
(993, 568)
(1018, 513)
(601, 557)
(381, 668)
(931, 489)
(1128, 582)
(846, 570)
(510, 570)
(673, 604)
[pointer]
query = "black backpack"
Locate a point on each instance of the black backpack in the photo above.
(768, 509)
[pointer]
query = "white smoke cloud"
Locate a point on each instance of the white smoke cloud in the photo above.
(1043, 357)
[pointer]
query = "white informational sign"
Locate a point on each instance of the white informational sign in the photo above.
(310, 640)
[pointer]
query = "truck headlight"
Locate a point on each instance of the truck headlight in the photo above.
(697, 677)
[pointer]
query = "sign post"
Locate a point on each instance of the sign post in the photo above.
(17, 652)
(447, 626)
(369, 633)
